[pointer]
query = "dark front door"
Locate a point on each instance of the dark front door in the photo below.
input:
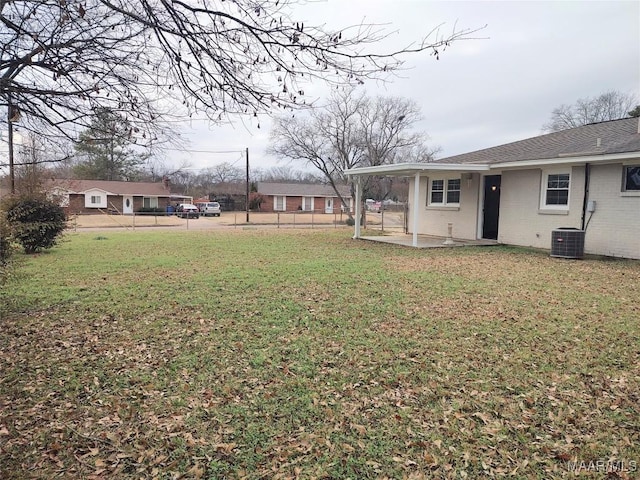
(491, 207)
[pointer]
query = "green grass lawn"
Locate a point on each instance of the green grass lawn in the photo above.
(306, 354)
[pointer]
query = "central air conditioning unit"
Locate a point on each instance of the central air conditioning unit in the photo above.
(567, 243)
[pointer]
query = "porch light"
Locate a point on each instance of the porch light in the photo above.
(468, 177)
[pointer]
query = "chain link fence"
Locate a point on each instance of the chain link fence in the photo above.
(234, 220)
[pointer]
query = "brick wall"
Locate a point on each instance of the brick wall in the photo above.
(522, 221)
(294, 204)
(435, 220)
(614, 229)
(76, 204)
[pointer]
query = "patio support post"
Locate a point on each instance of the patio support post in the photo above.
(356, 233)
(416, 202)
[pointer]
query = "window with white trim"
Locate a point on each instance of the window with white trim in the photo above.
(453, 190)
(150, 202)
(631, 178)
(555, 190)
(307, 204)
(95, 199)
(444, 192)
(279, 203)
(437, 191)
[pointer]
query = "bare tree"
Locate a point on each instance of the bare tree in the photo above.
(353, 130)
(186, 182)
(37, 159)
(155, 169)
(326, 139)
(215, 178)
(385, 131)
(387, 138)
(611, 105)
(62, 59)
(225, 172)
(31, 168)
(286, 174)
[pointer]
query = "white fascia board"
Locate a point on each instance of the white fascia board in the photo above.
(413, 168)
(547, 162)
(88, 190)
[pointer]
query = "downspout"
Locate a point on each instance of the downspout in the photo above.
(585, 200)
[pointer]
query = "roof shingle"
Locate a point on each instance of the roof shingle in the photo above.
(115, 188)
(301, 189)
(616, 136)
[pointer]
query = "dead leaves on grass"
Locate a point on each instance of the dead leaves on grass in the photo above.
(449, 368)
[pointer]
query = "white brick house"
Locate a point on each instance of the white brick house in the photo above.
(520, 192)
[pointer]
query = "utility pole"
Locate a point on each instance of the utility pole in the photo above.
(247, 202)
(11, 117)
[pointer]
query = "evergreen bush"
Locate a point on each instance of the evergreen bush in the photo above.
(7, 248)
(35, 223)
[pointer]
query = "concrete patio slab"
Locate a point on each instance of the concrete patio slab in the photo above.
(427, 241)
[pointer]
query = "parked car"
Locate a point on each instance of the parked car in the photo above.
(209, 208)
(187, 210)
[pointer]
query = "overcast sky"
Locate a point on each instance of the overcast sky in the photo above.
(502, 87)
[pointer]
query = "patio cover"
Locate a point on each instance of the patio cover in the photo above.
(415, 170)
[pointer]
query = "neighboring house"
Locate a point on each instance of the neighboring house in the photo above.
(288, 197)
(586, 178)
(96, 196)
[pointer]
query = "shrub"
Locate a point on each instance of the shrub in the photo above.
(7, 248)
(255, 200)
(151, 210)
(35, 223)
(5, 242)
